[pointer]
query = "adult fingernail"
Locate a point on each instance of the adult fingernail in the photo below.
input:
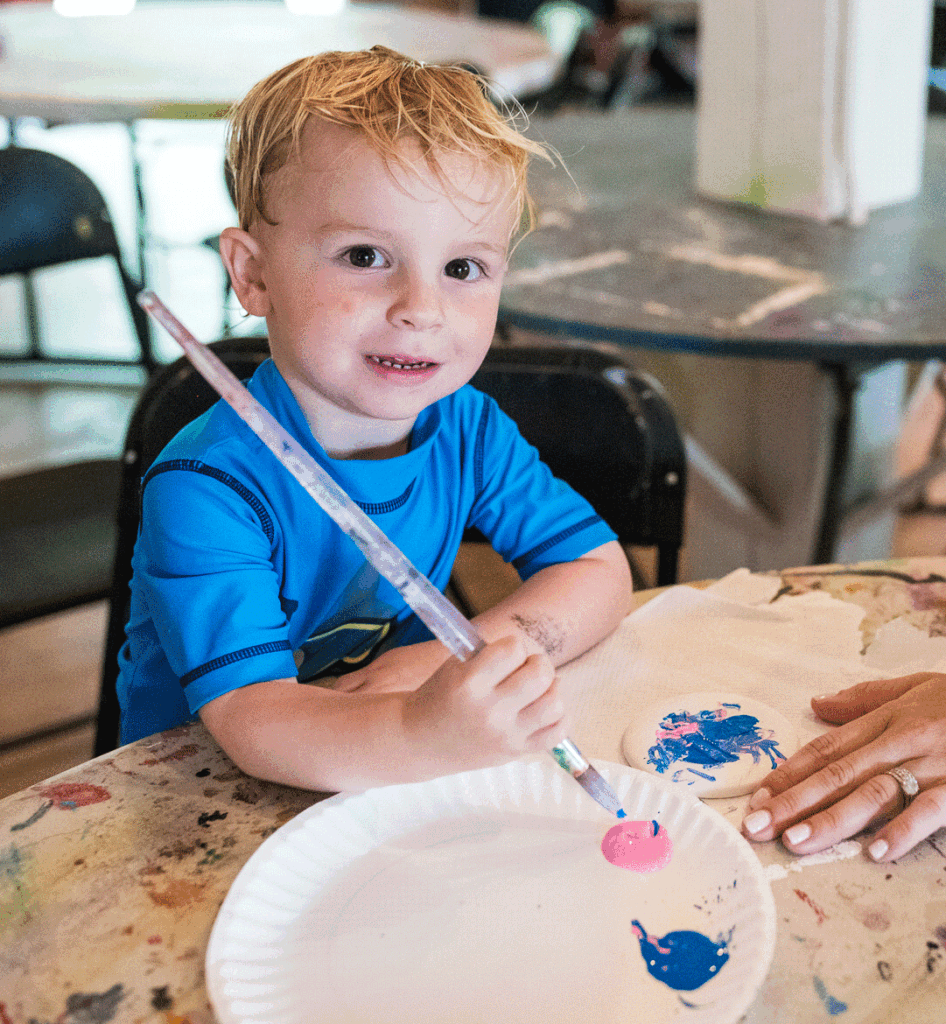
(759, 797)
(878, 848)
(756, 821)
(798, 833)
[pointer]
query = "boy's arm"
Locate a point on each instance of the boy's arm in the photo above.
(562, 610)
(565, 609)
(502, 703)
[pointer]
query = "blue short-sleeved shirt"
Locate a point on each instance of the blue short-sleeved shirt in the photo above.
(240, 577)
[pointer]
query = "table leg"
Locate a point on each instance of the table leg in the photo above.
(846, 382)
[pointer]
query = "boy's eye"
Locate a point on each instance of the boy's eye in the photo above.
(463, 270)
(364, 257)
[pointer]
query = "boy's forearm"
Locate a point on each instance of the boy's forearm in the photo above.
(567, 608)
(312, 737)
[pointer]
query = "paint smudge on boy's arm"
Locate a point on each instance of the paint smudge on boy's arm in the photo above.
(544, 631)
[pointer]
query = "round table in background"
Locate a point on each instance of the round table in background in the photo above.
(190, 58)
(627, 252)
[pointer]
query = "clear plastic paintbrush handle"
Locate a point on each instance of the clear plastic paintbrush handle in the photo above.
(448, 625)
(455, 631)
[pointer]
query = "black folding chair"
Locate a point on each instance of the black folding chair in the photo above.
(52, 213)
(175, 395)
(57, 538)
(605, 428)
(598, 423)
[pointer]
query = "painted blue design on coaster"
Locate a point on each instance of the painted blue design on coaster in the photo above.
(682, 960)
(710, 738)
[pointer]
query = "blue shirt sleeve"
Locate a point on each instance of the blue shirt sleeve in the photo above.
(532, 518)
(204, 568)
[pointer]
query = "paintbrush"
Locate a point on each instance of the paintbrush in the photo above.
(452, 629)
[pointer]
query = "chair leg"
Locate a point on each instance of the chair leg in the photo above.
(108, 721)
(32, 317)
(139, 319)
(667, 559)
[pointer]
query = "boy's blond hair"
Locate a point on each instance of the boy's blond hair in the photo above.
(387, 98)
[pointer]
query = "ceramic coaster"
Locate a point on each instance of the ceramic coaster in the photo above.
(715, 744)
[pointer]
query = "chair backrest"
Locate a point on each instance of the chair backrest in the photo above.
(599, 424)
(175, 395)
(51, 212)
(57, 537)
(606, 429)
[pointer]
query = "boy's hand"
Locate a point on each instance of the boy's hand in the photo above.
(500, 704)
(401, 668)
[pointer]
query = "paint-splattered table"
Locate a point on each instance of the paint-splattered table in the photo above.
(112, 873)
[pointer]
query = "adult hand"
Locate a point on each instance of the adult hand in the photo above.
(836, 785)
(502, 703)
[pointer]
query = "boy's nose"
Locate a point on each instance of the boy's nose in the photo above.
(416, 304)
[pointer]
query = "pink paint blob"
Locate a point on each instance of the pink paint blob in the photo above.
(637, 845)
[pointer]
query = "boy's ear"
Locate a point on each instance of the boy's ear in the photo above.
(240, 253)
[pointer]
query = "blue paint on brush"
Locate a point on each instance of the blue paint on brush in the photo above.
(623, 814)
(682, 960)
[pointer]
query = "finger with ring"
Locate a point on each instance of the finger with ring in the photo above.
(907, 781)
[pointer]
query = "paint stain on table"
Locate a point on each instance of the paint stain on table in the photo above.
(832, 1005)
(178, 893)
(820, 915)
(66, 796)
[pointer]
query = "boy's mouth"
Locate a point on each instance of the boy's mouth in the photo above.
(401, 363)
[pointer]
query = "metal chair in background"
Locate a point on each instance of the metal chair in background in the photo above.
(52, 213)
(57, 537)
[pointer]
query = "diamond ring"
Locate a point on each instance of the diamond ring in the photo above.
(907, 782)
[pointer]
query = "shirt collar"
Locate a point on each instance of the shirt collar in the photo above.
(367, 481)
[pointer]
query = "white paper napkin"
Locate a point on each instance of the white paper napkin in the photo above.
(731, 638)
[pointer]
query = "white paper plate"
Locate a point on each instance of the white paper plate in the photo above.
(484, 897)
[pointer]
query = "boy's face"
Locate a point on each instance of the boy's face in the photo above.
(380, 288)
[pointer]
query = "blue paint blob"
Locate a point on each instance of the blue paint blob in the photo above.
(832, 1005)
(710, 738)
(682, 960)
(622, 813)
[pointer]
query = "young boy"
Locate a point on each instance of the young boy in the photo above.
(377, 200)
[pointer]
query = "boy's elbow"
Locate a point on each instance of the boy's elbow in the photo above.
(618, 569)
(234, 721)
